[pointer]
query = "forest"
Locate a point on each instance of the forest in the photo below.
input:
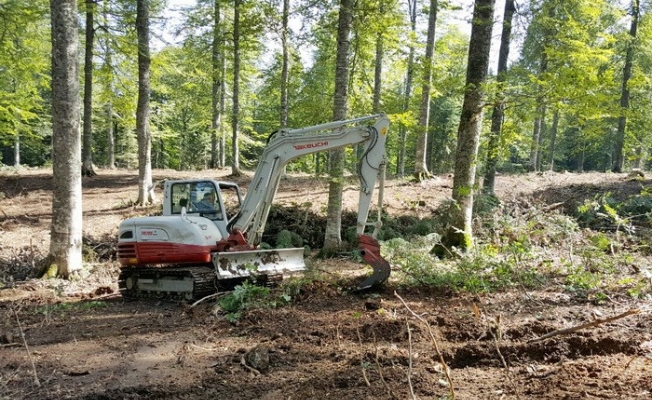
(516, 214)
(560, 96)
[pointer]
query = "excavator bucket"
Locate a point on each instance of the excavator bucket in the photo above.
(370, 251)
(240, 264)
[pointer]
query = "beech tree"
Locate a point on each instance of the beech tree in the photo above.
(624, 97)
(493, 147)
(333, 235)
(87, 149)
(285, 69)
(420, 166)
(217, 97)
(66, 228)
(409, 77)
(459, 232)
(110, 89)
(145, 187)
(235, 117)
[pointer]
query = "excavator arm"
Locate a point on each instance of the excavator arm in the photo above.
(246, 229)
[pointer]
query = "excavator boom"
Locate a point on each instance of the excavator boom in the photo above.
(246, 229)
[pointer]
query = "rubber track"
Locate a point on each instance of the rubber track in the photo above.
(204, 282)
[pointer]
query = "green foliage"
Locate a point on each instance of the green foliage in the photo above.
(528, 250)
(485, 204)
(243, 297)
(249, 296)
(24, 81)
(605, 211)
(475, 273)
(286, 239)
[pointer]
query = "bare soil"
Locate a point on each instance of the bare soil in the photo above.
(81, 340)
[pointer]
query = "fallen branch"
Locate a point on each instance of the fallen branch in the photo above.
(409, 373)
(253, 370)
(554, 206)
(380, 371)
(362, 366)
(10, 345)
(434, 341)
(210, 296)
(107, 296)
(29, 355)
(586, 325)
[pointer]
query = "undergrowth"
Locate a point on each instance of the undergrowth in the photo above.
(531, 248)
(249, 295)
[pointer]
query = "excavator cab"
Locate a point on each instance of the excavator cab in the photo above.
(217, 201)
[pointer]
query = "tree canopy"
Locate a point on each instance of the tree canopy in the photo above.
(566, 71)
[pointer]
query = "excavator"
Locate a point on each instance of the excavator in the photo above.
(208, 234)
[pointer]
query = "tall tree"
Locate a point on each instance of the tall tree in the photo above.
(460, 233)
(216, 56)
(420, 162)
(553, 140)
(222, 106)
(493, 147)
(409, 76)
(110, 137)
(378, 70)
(66, 229)
(285, 108)
(619, 158)
(87, 149)
(145, 187)
(235, 118)
(333, 235)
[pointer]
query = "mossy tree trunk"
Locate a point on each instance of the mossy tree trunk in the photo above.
(333, 234)
(459, 233)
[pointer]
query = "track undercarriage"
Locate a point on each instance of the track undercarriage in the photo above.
(170, 283)
(182, 283)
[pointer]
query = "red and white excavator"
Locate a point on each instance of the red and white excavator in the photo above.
(200, 241)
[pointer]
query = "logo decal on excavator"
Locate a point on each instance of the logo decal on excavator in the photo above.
(310, 145)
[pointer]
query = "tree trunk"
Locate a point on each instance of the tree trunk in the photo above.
(66, 229)
(222, 131)
(460, 233)
(378, 70)
(412, 10)
(17, 151)
(286, 64)
(641, 157)
(333, 236)
(216, 120)
(619, 158)
(553, 140)
(493, 148)
(109, 105)
(87, 149)
(581, 158)
(145, 187)
(420, 166)
(536, 137)
(110, 137)
(235, 163)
